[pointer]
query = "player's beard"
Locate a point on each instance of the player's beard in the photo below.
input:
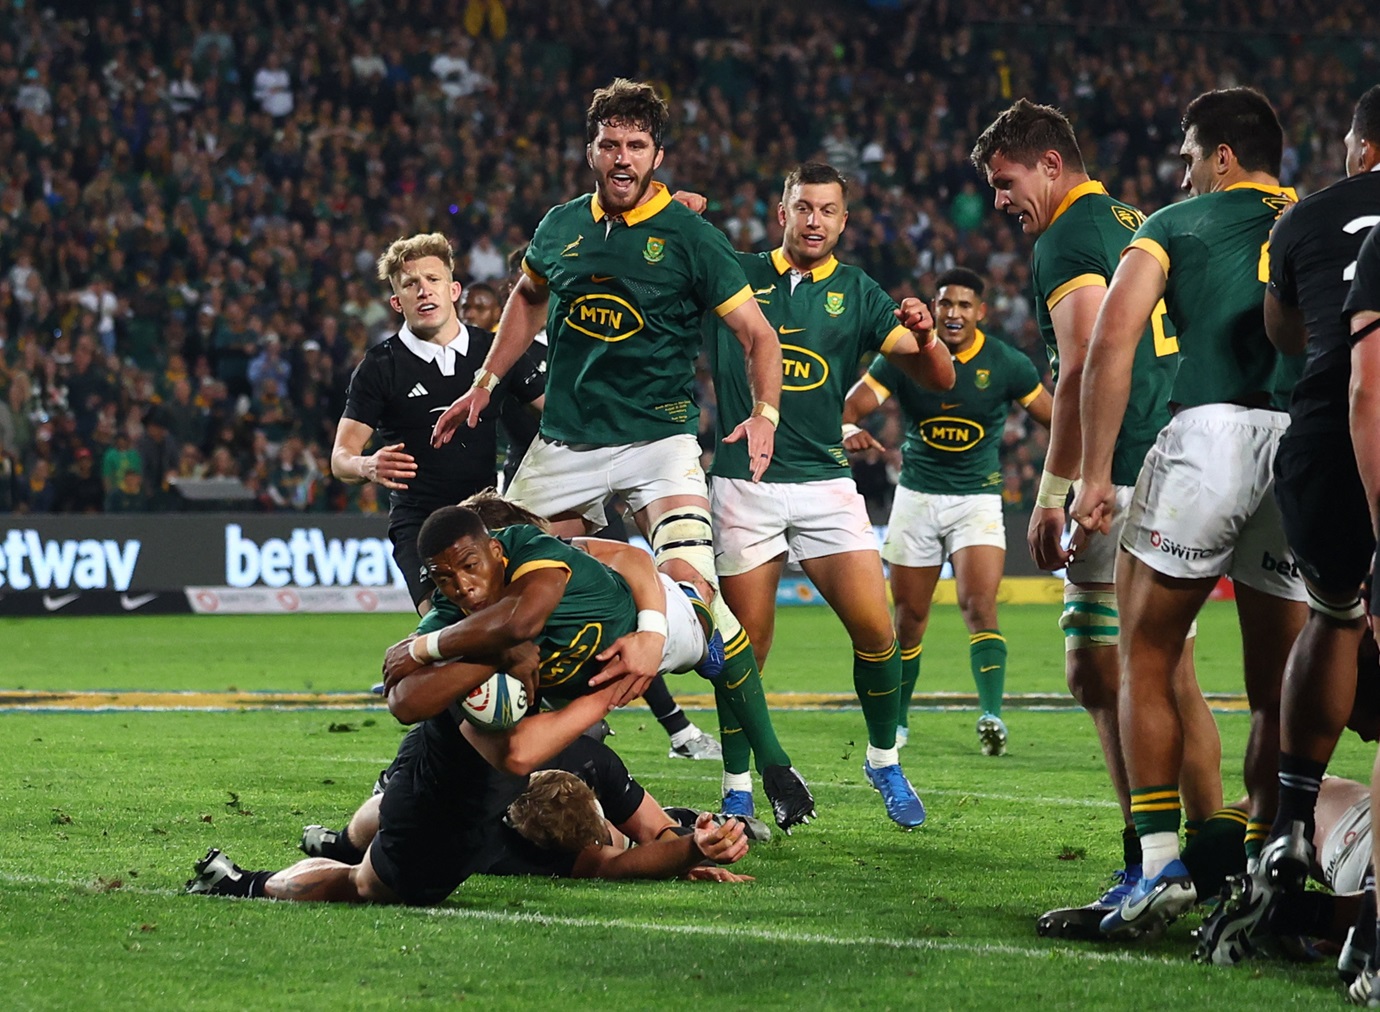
(639, 190)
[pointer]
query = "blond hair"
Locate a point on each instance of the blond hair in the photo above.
(557, 812)
(404, 250)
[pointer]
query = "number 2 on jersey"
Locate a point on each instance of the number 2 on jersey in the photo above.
(1165, 344)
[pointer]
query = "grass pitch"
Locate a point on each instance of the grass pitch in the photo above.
(104, 814)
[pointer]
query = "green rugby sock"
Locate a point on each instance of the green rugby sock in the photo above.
(910, 674)
(746, 703)
(737, 751)
(877, 680)
(1156, 809)
(987, 656)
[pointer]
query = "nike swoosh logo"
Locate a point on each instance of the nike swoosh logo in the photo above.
(886, 693)
(133, 603)
(730, 686)
(599, 279)
(944, 406)
(990, 667)
(790, 330)
(55, 603)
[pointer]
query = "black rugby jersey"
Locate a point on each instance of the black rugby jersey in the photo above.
(1313, 251)
(400, 395)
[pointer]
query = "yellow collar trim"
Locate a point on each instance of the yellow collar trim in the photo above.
(1081, 190)
(653, 205)
(968, 354)
(1279, 191)
(782, 265)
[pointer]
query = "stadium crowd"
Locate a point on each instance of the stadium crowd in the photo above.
(192, 201)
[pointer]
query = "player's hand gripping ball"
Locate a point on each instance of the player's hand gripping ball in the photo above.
(498, 704)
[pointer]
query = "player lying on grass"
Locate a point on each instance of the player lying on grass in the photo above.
(533, 844)
(442, 819)
(543, 611)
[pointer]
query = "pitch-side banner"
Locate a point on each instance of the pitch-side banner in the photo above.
(284, 562)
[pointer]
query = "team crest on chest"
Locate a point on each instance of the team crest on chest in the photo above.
(833, 303)
(982, 379)
(656, 249)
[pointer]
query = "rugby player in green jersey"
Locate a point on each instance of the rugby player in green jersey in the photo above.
(621, 278)
(806, 506)
(1203, 506)
(1032, 160)
(948, 501)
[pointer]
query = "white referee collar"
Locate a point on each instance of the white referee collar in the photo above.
(444, 355)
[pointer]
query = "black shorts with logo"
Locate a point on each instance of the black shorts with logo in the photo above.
(404, 521)
(1323, 506)
(440, 816)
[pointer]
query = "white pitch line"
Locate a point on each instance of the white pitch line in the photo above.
(731, 932)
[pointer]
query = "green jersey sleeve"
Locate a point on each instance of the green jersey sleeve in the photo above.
(719, 281)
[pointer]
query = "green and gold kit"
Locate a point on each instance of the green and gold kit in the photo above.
(596, 608)
(1214, 251)
(627, 293)
(827, 320)
(953, 438)
(1081, 248)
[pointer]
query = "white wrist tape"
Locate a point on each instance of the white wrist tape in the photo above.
(651, 620)
(425, 649)
(850, 430)
(1053, 491)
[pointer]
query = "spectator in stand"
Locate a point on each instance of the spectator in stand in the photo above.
(80, 490)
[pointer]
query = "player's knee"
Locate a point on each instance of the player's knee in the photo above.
(683, 540)
(1090, 619)
(1345, 609)
(1093, 678)
(978, 612)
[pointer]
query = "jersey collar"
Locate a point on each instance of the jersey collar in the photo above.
(782, 265)
(1278, 191)
(1081, 190)
(658, 202)
(444, 355)
(970, 353)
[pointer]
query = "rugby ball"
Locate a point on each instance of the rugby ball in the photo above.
(497, 704)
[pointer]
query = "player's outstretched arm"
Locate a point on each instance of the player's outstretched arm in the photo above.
(539, 737)
(515, 618)
(432, 688)
(668, 856)
(636, 657)
(1136, 288)
(389, 466)
(523, 317)
(762, 350)
(920, 354)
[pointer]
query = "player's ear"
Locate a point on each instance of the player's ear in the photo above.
(455, 289)
(781, 214)
(589, 155)
(1052, 163)
(656, 162)
(396, 303)
(981, 311)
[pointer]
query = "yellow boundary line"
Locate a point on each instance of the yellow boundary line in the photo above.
(94, 702)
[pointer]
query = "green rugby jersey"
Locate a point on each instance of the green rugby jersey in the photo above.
(1081, 248)
(623, 322)
(596, 608)
(827, 320)
(953, 440)
(1213, 249)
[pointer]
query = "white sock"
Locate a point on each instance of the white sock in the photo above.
(683, 735)
(737, 782)
(879, 757)
(1157, 850)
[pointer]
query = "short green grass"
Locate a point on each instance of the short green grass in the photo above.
(104, 813)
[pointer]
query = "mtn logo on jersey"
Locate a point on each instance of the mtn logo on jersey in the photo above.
(604, 317)
(833, 303)
(953, 435)
(802, 369)
(656, 249)
(418, 391)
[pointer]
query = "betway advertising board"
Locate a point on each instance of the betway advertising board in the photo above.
(211, 563)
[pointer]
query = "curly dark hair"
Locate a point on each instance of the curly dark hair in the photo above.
(628, 103)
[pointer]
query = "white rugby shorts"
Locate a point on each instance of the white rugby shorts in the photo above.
(926, 528)
(754, 522)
